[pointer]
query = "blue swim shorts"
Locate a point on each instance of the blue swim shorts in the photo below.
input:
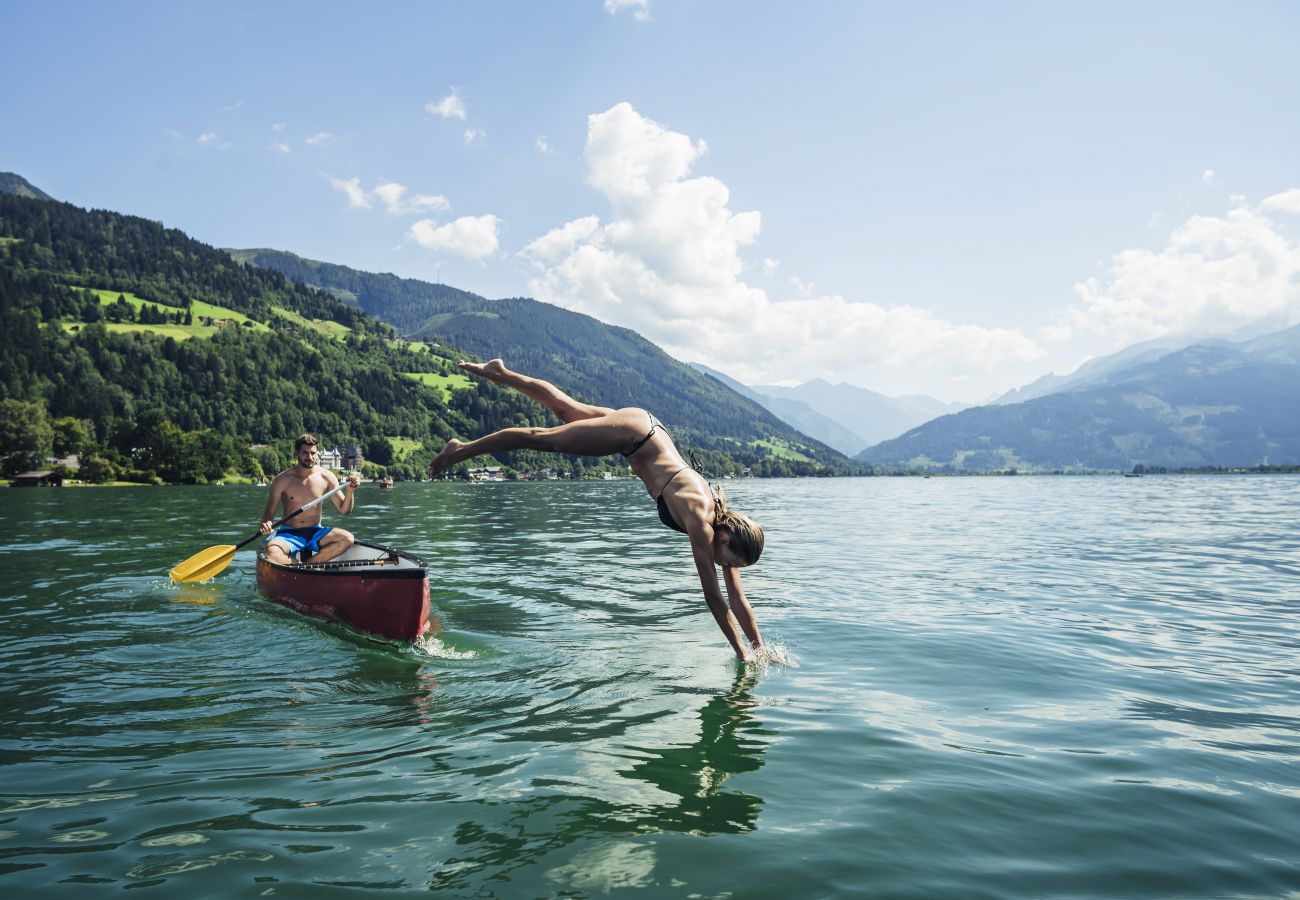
(299, 539)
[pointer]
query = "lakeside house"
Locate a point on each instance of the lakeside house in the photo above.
(487, 473)
(38, 479)
(347, 459)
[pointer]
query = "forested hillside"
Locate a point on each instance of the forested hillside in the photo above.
(157, 357)
(205, 355)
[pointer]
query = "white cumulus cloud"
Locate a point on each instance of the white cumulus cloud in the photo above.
(1285, 202)
(319, 137)
(560, 242)
(1216, 274)
(450, 107)
(668, 264)
(473, 237)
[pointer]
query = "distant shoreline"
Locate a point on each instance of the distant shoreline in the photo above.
(1114, 473)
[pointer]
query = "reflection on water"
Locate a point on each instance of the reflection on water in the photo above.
(691, 796)
(696, 776)
(1006, 688)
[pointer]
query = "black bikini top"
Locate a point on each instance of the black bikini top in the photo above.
(664, 515)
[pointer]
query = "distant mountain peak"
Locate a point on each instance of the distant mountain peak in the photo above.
(13, 183)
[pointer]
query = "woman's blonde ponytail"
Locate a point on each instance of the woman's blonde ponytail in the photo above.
(746, 534)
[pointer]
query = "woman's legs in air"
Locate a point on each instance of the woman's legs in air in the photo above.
(543, 392)
(587, 430)
(603, 435)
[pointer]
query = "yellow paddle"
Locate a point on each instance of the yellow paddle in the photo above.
(212, 562)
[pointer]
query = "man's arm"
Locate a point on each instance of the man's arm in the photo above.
(702, 550)
(274, 497)
(345, 501)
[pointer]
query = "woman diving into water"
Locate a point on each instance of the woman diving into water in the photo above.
(719, 535)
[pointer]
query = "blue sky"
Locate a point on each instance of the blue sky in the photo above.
(935, 198)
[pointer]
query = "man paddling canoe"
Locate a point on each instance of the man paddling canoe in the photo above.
(295, 487)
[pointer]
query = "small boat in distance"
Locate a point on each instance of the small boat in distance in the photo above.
(374, 589)
(386, 483)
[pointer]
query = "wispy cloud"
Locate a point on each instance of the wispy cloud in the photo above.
(351, 187)
(473, 237)
(640, 8)
(543, 146)
(281, 147)
(390, 194)
(474, 136)
(1207, 177)
(319, 137)
(803, 288)
(668, 263)
(450, 107)
(393, 196)
(210, 140)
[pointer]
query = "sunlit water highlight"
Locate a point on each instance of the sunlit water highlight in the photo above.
(1004, 688)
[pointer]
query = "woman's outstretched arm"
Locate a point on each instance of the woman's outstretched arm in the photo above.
(740, 606)
(702, 550)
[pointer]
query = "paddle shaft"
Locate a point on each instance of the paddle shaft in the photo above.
(302, 509)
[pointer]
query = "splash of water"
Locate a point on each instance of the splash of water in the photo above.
(774, 653)
(431, 645)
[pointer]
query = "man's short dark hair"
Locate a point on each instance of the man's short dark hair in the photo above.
(304, 440)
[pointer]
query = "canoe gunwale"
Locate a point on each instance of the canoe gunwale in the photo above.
(354, 568)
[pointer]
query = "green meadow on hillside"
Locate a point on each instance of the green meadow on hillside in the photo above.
(403, 447)
(781, 450)
(331, 329)
(440, 382)
(198, 309)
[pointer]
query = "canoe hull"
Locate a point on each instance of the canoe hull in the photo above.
(374, 589)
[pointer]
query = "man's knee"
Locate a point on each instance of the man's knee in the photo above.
(339, 536)
(276, 553)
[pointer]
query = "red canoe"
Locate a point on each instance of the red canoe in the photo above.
(374, 589)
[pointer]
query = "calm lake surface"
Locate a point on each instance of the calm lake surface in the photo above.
(1006, 687)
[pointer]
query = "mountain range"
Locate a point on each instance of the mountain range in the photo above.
(843, 416)
(1212, 404)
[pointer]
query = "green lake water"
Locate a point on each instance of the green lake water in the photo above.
(1005, 687)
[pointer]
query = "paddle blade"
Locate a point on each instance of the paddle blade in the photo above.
(205, 564)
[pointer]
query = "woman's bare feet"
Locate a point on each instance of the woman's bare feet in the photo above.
(492, 370)
(446, 457)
